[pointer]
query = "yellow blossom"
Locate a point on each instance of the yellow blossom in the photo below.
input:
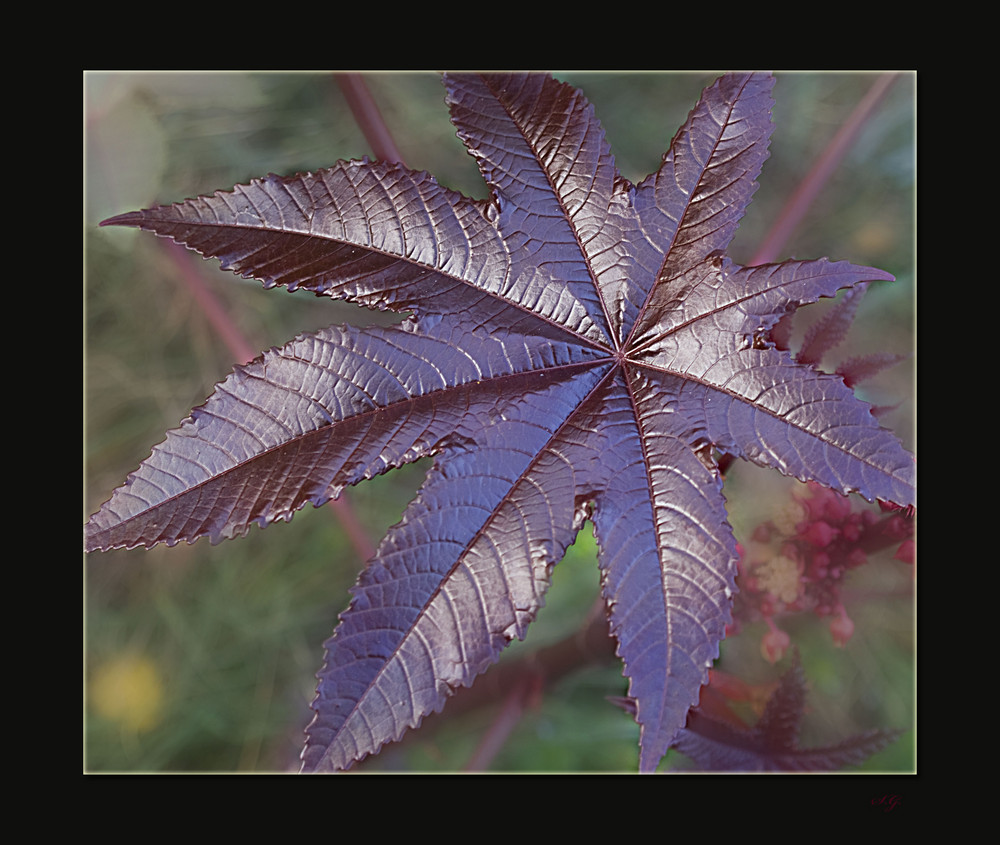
(789, 516)
(129, 690)
(780, 577)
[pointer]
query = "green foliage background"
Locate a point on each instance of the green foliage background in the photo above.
(207, 654)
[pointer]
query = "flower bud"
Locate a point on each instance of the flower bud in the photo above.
(907, 551)
(841, 628)
(774, 644)
(819, 534)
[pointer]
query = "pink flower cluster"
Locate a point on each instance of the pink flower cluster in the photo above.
(797, 561)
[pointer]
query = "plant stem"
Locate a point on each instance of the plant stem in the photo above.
(368, 116)
(798, 204)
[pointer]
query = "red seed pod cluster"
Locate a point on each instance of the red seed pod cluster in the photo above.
(797, 561)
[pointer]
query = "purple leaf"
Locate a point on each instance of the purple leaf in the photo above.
(772, 745)
(578, 346)
(828, 332)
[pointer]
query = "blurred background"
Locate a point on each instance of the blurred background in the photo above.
(202, 658)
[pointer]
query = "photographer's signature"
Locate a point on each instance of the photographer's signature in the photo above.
(887, 803)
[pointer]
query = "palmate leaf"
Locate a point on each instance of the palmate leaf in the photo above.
(578, 347)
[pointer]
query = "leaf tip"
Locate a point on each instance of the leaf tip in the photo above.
(130, 218)
(881, 276)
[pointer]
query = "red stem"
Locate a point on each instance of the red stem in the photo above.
(495, 738)
(368, 116)
(798, 204)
